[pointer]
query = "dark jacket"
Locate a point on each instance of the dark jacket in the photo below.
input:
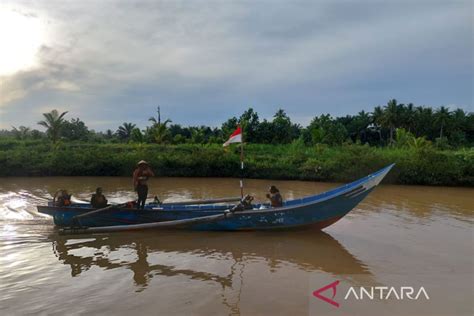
(98, 201)
(276, 199)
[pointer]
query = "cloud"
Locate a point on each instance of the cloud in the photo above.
(108, 62)
(10, 90)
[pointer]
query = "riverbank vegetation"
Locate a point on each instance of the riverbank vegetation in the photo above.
(429, 147)
(424, 165)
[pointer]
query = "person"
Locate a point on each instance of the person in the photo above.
(62, 198)
(275, 197)
(247, 202)
(140, 178)
(98, 200)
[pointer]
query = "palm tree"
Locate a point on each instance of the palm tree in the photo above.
(403, 137)
(424, 122)
(159, 130)
(459, 120)
(125, 131)
(362, 120)
(53, 123)
(459, 115)
(158, 119)
(158, 122)
(21, 132)
(410, 117)
(442, 117)
(197, 135)
(377, 116)
(419, 143)
(390, 117)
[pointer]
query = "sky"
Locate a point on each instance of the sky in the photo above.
(202, 62)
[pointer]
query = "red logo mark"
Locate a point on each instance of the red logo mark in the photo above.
(333, 285)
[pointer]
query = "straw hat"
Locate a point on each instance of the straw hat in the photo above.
(142, 162)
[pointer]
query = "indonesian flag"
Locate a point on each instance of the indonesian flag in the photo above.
(236, 137)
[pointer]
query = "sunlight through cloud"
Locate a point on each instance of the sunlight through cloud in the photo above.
(20, 39)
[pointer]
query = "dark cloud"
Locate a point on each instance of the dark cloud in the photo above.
(110, 62)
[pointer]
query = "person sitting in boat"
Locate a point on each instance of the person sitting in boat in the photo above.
(275, 197)
(98, 199)
(140, 178)
(247, 202)
(62, 198)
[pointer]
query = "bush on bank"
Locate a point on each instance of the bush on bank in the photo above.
(426, 166)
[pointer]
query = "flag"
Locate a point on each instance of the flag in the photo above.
(236, 137)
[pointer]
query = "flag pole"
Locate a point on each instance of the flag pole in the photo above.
(242, 166)
(236, 137)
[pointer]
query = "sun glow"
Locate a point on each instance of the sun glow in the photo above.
(20, 38)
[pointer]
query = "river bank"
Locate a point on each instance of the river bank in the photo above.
(289, 162)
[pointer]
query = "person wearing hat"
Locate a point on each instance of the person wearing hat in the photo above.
(140, 178)
(98, 199)
(275, 197)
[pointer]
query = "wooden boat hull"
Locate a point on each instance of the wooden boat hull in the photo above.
(319, 211)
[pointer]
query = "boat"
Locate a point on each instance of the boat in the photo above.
(319, 211)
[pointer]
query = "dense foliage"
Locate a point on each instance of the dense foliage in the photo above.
(429, 147)
(441, 127)
(415, 165)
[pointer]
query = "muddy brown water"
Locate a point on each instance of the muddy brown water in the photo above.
(399, 236)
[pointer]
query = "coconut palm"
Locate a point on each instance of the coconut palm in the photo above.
(442, 116)
(159, 130)
(21, 132)
(403, 137)
(410, 117)
(419, 143)
(53, 122)
(158, 122)
(390, 117)
(197, 135)
(377, 116)
(124, 132)
(362, 121)
(424, 121)
(459, 116)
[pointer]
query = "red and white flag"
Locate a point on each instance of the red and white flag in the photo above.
(236, 137)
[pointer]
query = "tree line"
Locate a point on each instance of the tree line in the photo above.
(393, 124)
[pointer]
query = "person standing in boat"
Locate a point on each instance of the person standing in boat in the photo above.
(275, 197)
(140, 178)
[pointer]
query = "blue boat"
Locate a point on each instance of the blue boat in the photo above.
(319, 211)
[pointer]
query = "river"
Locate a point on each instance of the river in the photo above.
(398, 236)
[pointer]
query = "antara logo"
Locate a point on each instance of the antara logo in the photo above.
(332, 286)
(371, 293)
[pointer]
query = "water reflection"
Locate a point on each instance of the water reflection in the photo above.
(148, 254)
